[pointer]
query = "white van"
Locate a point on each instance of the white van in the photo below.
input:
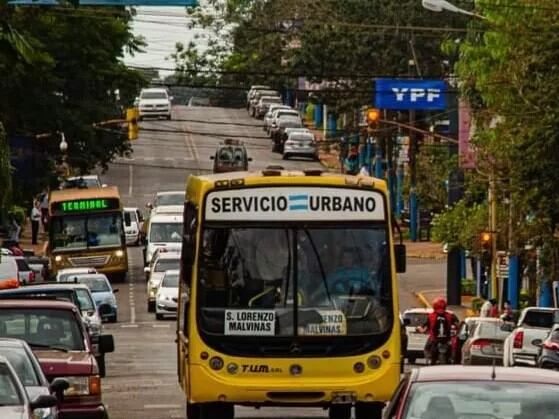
(164, 230)
(133, 221)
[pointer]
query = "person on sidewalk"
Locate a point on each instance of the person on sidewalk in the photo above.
(508, 314)
(15, 229)
(35, 220)
(489, 308)
(44, 207)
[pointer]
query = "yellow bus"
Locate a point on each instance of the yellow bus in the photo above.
(86, 230)
(288, 294)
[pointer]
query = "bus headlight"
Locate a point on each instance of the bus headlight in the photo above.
(374, 362)
(119, 253)
(216, 363)
(58, 258)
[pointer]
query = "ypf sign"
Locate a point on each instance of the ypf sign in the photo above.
(407, 94)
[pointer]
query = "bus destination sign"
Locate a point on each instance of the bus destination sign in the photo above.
(86, 205)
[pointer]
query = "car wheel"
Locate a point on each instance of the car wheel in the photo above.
(192, 411)
(368, 410)
(101, 364)
(114, 319)
(217, 410)
(158, 316)
(339, 411)
(151, 306)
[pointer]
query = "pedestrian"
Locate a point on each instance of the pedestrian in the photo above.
(15, 229)
(487, 309)
(35, 220)
(508, 315)
(44, 207)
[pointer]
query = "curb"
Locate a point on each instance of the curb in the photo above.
(422, 299)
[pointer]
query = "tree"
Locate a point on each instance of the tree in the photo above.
(5, 172)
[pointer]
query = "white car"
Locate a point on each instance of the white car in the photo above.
(534, 323)
(164, 262)
(154, 102)
(63, 275)
(300, 144)
(413, 318)
(167, 297)
(133, 221)
(174, 199)
(164, 230)
(270, 114)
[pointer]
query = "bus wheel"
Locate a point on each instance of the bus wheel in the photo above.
(339, 411)
(369, 410)
(192, 411)
(217, 410)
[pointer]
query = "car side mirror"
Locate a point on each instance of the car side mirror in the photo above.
(44, 401)
(537, 342)
(400, 256)
(106, 344)
(115, 290)
(58, 385)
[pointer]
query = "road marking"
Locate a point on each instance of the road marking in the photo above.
(162, 406)
(130, 179)
(126, 326)
(132, 304)
(161, 325)
(190, 144)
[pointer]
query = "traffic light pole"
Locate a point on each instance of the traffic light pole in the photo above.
(493, 228)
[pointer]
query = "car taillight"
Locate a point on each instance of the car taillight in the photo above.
(551, 346)
(518, 339)
(480, 343)
(32, 277)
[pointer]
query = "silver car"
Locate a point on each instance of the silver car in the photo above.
(300, 144)
(264, 104)
(270, 114)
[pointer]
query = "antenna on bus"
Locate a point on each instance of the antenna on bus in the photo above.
(493, 370)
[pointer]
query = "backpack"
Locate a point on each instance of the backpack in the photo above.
(442, 327)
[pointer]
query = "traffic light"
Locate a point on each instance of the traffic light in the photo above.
(486, 246)
(132, 115)
(373, 118)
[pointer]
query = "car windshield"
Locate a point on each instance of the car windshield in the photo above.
(482, 400)
(19, 359)
(87, 231)
(9, 392)
(95, 284)
(85, 301)
(170, 199)
(536, 318)
(154, 95)
(234, 156)
(271, 100)
(163, 265)
(295, 281)
(42, 327)
(416, 319)
(165, 232)
(170, 281)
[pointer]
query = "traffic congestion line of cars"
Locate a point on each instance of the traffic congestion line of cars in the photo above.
(282, 123)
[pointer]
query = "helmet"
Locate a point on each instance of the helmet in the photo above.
(439, 304)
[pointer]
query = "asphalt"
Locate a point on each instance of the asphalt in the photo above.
(141, 377)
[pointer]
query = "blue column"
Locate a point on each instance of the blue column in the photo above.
(378, 161)
(399, 190)
(332, 124)
(545, 299)
(318, 115)
(413, 214)
(369, 154)
(289, 97)
(479, 285)
(514, 281)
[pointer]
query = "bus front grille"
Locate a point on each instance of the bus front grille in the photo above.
(89, 261)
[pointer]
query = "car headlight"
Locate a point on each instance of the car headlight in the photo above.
(58, 258)
(83, 386)
(119, 253)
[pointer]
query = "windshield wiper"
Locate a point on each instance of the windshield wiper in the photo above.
(43, 345)
(320, 266)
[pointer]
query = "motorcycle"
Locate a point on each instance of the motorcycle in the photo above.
(442, 349)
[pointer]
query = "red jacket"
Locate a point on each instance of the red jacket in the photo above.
(432, 323)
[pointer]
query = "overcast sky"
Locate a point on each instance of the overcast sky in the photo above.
(162, 28)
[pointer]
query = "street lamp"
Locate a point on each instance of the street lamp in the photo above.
(63, 146)
(443, 5)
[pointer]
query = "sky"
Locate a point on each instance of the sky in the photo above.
(162, 28)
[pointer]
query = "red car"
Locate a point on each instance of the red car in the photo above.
(453, 392)
(56, 333)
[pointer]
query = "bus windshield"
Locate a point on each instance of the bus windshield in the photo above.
(87, 231)
(285, 282)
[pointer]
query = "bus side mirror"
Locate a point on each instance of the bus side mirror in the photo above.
(400, 254)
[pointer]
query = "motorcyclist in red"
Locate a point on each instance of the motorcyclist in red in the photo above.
(439, 326)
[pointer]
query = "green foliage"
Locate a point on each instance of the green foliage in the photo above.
(5, 170)
(18, 213)
(461, 225)
(434, 165)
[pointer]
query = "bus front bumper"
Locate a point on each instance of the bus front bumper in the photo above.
(207, 387)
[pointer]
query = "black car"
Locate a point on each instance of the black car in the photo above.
(548, 357)
(230, 156)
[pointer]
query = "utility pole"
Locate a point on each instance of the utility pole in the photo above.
(413, 166)
(493, 229)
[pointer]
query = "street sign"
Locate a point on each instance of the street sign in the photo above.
(406, 94)
(502, 265)
(187, 3)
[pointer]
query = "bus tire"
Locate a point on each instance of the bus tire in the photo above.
(368, 410)
(339, 411)
(217, 410)
(192, 411)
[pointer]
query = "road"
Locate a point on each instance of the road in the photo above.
(141, 377)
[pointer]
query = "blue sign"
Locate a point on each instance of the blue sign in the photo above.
(187, 3)
(406, 94)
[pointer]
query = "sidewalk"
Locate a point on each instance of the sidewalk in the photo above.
(462, 311)
(424, 250)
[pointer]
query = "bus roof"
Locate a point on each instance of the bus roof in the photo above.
(90, 193)
(198, 185)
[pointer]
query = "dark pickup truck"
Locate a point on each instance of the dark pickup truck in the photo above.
(56, 333)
